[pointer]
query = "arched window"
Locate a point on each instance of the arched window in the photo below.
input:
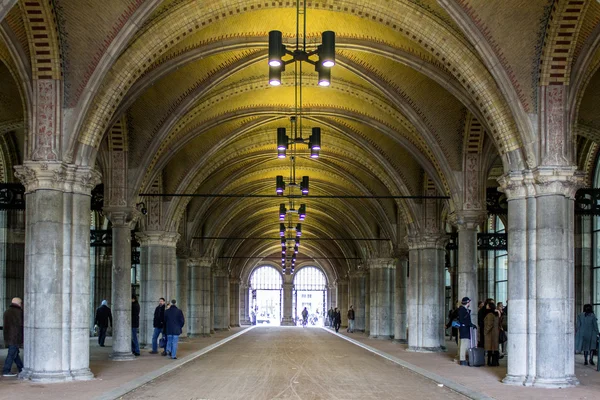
(310, 278)
(265, 278)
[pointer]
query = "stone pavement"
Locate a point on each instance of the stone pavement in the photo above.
(109, 375)
(267, 363)
(483, 380)
(291, 362)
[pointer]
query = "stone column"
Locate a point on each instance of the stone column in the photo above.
(57, 268)
(342, 300)
(123, 219)
(400, 320)
(199, 301)
(331, 296)
(234, 302)
(357, 284)
(426, 293)
(182, 289)
(158, 262)
(541, 276)
(288, 290)
(221, 299)
(381, 294)
(244, 305)
(467, 223)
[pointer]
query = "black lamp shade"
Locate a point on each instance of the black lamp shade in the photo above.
(324, 75)
(282, 139)
(279, 185)
(275, 76)
(327, 53)
(304, 185)
(275, 48)
(315, 139)
(282, 211)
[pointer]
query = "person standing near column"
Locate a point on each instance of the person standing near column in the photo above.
(586, 331)
(159, 322)
(135, 325)
(337, 319)
(464, 330)
(330, 317)
(350, 320)
(103, 318)
(174, 321)
(13, 336)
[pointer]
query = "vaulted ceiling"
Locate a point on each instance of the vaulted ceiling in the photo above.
(188, 82)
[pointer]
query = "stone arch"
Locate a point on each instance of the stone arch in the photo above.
(453, 54)
(330, 277)
(246, 274)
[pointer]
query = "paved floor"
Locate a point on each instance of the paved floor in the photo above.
(291, 363)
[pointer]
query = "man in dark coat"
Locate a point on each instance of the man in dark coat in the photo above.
(13, 336)
(337, 319)
(330, 317)
(174, 321)
(159, 322)
(135, 325)
(464, 330)
(103, 318)
(350, 320)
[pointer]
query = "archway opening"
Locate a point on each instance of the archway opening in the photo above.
(310, 292)
(265, 296)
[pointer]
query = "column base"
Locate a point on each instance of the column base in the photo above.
(222, 329)
(555, 383)
(401, 341)
(212, 331)
(122, 356)
(419, 349)
(245, 322)
(380, 337)
(287, 322)
(198, 335)
(56, 377)
(235, 325)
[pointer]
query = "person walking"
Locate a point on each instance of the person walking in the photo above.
(330, 317)
(13, 336)
(337, 319)
(491, 332)
(135, 325)
(174, 321)
(350, 320)
(304, 317)
(102, 320)
(586, 331)
(453, 316)
(464, 330)
(159, 323)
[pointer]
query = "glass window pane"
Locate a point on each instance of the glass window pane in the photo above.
(501, 291)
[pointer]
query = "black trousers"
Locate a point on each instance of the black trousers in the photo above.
(102, 335)
(336, 325)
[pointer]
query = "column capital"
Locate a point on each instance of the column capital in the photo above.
(358, 273)
(157, 238)
(376, 263)
(122, 217)
(427, 241)
(56, 175)
(542, 181)
(201, 261)
(467, 219)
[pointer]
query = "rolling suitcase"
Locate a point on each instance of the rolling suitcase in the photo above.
(476, 354)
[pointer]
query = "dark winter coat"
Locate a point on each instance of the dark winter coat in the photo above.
(481, 314)
(159, 317)
(351, 314)
(174, 320)
(491, 331)
(13, 326)
(103, 317)
(464, 318)
(135, 314)
(586, 331)
(337, 317)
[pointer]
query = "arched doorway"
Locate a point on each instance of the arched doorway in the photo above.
(265, 296)
(310, 291)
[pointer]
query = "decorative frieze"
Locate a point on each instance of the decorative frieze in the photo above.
(158, 238)
(542, 181)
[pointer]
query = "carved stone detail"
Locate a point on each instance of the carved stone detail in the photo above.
(122, 216)
(157, 238)
(427, 241)
(46, 120)
(59, 176)
(542, 181)
(467, 220)
(378, 263)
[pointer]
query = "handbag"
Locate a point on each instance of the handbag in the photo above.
(455, 324)
(502, 337)
(162, 342)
